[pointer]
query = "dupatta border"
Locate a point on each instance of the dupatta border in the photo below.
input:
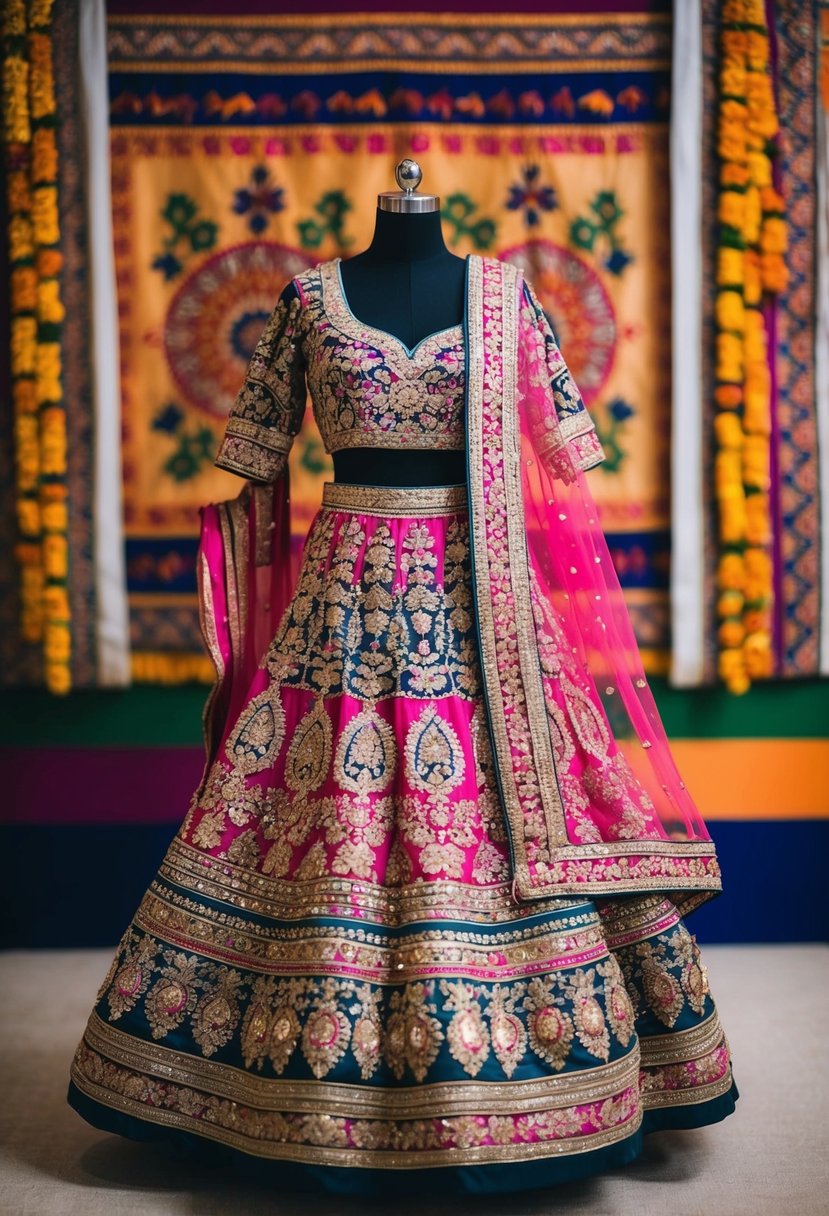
(511, 676)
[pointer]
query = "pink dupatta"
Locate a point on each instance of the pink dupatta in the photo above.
(559, 657)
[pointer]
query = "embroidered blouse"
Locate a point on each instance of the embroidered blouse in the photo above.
(368, 389)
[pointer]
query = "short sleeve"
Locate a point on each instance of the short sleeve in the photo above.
(565, 434)
(268, 411)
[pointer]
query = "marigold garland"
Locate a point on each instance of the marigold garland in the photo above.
(29, 121)
(750, 262)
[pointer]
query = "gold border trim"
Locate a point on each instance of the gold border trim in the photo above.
(680, 1046)
(345, 1101)
(122, 1053)
(659, 1099)
(395, 502)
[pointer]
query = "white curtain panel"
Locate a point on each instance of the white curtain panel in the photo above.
(687, 457)
(112, 626)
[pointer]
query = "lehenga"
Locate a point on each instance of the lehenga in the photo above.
(423, 920)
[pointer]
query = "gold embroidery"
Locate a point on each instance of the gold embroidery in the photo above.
(284, 899)
(327, 1031)
(509, 1035)
(441, 1124)
(434, 756)
(413, 1034)
(618, 1005)
(393, 502)
(367, 389)
(255, 739)
(551, 1030)
(468, 1036)
(589, 1018)
(366, 758)
(367, 1034)
(682, 1045)
(357, 626)
(217, 1013)
(283, 1035)
(268, 410)
(132, 978)
(174, 995)
(309, 756)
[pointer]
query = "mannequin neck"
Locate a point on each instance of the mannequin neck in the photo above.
(401, 237)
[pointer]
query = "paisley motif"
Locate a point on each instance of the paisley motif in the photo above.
(283, 1034)
(591, 1027)
(254, 1038)
(366, 1043)
(309, 756)
(174, 995)
(618, 1005)
(588, 723)
(662, 991)
(366, 758)
(469, 1039)
(551, 1033)
(435, 761)
(217, 1014)
(255, 739)
(325, 1037)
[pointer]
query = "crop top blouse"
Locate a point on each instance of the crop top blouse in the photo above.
(367, 387)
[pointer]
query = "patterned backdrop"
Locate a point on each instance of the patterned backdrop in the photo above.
(243, 151)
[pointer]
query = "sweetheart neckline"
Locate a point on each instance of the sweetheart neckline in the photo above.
(409, 352)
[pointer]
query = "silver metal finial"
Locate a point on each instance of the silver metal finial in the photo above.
(409, 176)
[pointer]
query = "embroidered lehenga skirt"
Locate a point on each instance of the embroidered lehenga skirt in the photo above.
(330, 979)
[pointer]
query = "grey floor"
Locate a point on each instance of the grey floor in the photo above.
(770, 1158)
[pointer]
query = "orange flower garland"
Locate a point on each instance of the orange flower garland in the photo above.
(750, 261)
(29, 116)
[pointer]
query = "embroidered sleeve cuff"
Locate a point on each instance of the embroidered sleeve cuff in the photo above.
(254, 451)
(567, 455)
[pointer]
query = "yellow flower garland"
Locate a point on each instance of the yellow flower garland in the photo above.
(29, 117)
(749, 263)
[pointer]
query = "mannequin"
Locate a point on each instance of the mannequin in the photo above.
(407, 283)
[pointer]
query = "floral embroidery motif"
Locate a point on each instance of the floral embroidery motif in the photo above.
(363, 625)
(367, 1034)
(368, 390)
(618, 1005)
(413, 1033)
(366, 758)
(551, 1030)
(665, 973)
(217, 1013)
(589, 1018)
(174, 995)
(309, 756)
(283, 1036)
(434, 756)
(312, 1025)
(509, 1035)
(132, 978)
(327, 1030)
(469, 1039)
(256, 739)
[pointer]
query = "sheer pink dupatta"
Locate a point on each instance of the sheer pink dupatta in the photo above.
(591, 794)
(573, 572)
(246, 572)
